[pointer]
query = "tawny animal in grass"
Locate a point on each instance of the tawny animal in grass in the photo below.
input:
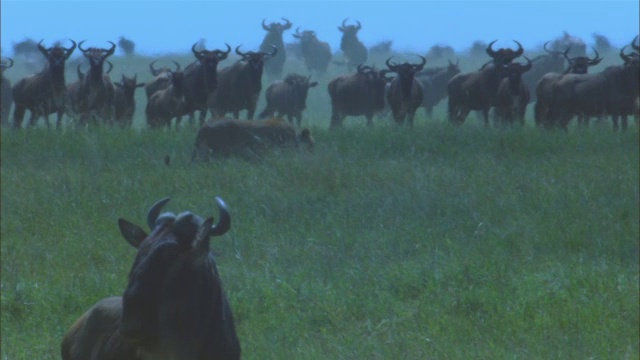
(434, 84)
(167, 104)
(161, 79)
(513, 95)
(358, 94)
(45, 92)
(317, 54)
(124, 102)
(288, 97)
(405, 92)
(223, 137)
(174, 306)
(273, 65)
(239, 85)
(6, 97)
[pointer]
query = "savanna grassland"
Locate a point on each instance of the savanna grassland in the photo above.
(437, 242)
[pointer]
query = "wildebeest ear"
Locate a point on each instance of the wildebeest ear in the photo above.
(313, 84)
(131, 232)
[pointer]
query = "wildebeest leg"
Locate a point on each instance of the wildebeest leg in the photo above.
(336, 119)
(369, 120)
(18, 115)
(59, 119)
(485, 115)
(623, 121)
(203, 115)
(614, 118)
(250, 111)
(428, 110)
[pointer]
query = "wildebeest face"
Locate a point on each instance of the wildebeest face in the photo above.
(406, 73)
(305, 36)
(276, 28)
(349, 30)
(515, 70)
(56, 55)
(256, 59)
(453, 69)
(97, 56)
(129, 85)
(503, 56)
(580, 64)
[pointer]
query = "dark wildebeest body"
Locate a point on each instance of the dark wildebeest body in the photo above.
(317, 54)
(201, 80)
(552, 61)
(124, 101)
(174, 306)
(224, 137)
(577, 45)
(161, 80)
(167, 104)
(126, 45)
(513, 95)
(434, 84)
(359, 94)
(239, 85)
(288, 97)
(43, 93)
(405, 92)
(6, 97)
(273, 66)
(354, 50)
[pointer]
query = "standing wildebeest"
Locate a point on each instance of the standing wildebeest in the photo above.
(438, 52)
(223, 137)
(552, 61)
(6, 99)
(162, 78)
(359, 94)
(124, 101)
(513, 94)
(126, 45)
(577, 45)
(434, 85)
(354, 50)
(381, 49)
(174, 306)
(273, 66)
(92, 97)
(45, 92)
(477, 90)
(317, 54)
(201, 80)
(167, 104)
(288, 97)
(405, 92)
(239, 85)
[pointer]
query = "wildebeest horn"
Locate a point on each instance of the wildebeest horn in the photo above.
(110, 67)
(566, 53)
(528, 66)
(520, 50)
(154, 71)
(420, 66)
(223, 54)
(240, 52)
(42, 49)
(196, 53)
(112, 50)
(344, 22)
(79, 72)
(274, 52)
(359, 26)
(70, 50)
(80, 46)
(625, 58)
(389, 64)
(490, 50)
(288, 24)
(177, 65)
(633, 44)
(264, 26)
(596, 59)
(154, 212)
(553, 52)
(224, 223)
(4, 64)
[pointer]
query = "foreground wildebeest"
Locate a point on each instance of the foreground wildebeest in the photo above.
(359, 94)
(354, 50)
(551, 62)
(161, 79)
(405, 92)
(513, 94)
(434, 84)
(274, 65)
(167, 104)
(124, 101)
(288, 97)
(239, 85)
(316, 53)
(174, 306)
(6, 98)
(201, 79)
(45, 92)
(477, 90)
(224, 137)
(92, 97)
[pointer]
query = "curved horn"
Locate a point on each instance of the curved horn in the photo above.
(625, 58)
(552, 52)
(223, 54)
(112, 50)
(154, 211)
(264, 26)
(42, 49)
(359, 26)
(274, 52)
(490, 50)
(240, 52)
(528, 66)
(520, 50)
(224, 223)
(5, 65)
(344, 22)
(596, 59)
(633, 44)
(79, 72)
(70, 50)
(288, 24)
(110, 67)
(566, 53)
(154, 71)
(196, 53)
(389, 64)
(80, 46)
(177, 66)
(420, 66)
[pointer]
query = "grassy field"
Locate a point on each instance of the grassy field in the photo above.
(436, 242)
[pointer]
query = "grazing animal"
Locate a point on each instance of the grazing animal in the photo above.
(239, 85)
(358, 94)
(288, 97)
(317, 54)
(405, 92)
(6, 100)
(45, 92)
(161, 79)
(354, 50)
(273, 66)
(224, 137)
(552, 61)
(201, 80)
(513, 94)
(167, 104)
(124, 101)
(434, 85)
(174, 306)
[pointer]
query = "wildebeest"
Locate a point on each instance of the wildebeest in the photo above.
(354, 50)
(513, 94)
(174, 306)
(168, 103)
(201, 79)
(288, 97)
(358, 94)
(223, 137)
(6, 99)
(274, 65)
(434, 85)
(239, 85)
(45, 92)
(317, 54)
(124, 101)
(126, 45)
(477, 90)
(552, 61)
(381, 49)
(438, 52)
(577, 45)
(405, 92)
(602, 43)
(161, 80)
(92, 97)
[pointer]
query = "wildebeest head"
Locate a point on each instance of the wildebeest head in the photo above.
(515, 70)
(503, 56)
(209, 60)
(156, 71)
(255, 59)
(6, 64)
(300, 85)
(349, 30)
(129, 85)
(578, 46)
(56, 55)
(276, 29)
(378, 80)
(171, 260)
(580, 64)
(305, 36)
(453, 69)
(97, 56)
(406, 72)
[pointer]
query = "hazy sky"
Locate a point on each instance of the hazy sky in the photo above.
(173, 26)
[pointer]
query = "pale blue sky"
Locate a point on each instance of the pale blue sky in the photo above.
(173, 26)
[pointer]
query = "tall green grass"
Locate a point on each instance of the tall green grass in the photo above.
(438, 242)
